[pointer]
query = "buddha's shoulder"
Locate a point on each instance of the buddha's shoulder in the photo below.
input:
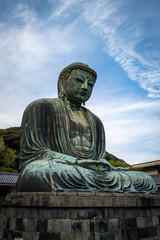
(43, 102)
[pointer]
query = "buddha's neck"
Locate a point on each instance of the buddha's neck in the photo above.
(72, 104)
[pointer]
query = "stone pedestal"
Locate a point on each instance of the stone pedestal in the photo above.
(80, 216)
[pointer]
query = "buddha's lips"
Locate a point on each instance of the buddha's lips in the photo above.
(83, 92)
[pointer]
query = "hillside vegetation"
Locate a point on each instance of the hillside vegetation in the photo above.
(9, 149)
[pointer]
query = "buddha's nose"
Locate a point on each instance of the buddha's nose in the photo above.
(85, 85)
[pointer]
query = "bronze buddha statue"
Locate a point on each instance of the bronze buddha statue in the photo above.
(63, 143)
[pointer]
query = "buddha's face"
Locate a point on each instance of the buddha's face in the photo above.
(79, 85)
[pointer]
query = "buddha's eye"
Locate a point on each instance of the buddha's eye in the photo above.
(79, 80)
(90, 83)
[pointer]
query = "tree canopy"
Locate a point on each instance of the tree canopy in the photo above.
(9, 149)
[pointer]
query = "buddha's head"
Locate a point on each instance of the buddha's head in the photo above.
(76, 82)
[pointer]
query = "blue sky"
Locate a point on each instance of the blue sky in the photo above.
(119, 39)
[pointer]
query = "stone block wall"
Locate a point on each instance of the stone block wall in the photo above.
(80, 216)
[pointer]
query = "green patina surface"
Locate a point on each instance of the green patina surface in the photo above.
(63, 143)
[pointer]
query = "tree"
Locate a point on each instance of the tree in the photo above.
(119, 164)
(8, 156)
(11, 137)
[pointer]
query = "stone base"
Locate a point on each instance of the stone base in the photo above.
(80, 216)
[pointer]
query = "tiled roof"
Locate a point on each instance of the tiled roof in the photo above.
(8, 178)
(156, 178)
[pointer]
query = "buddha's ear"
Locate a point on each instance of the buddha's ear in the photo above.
(61, 88)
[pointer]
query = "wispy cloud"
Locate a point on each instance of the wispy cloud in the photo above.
(131, 129)
(25, 14)
(128, 40)
(63, 8)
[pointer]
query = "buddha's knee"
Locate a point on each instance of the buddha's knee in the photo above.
(35, 177)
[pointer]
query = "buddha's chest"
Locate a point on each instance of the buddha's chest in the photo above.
(80, 130)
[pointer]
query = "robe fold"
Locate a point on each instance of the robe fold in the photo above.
(48, 156)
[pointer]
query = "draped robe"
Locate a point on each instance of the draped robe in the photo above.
(48, 157)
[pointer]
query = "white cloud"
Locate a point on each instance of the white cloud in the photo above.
(132, 129)
(127, 39)
(125, 106)
(25, 14)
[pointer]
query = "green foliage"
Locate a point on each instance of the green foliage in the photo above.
(8, 170)
(135, 169)
(118, 164)
(11, 138)
(2, 146)
(7, 156)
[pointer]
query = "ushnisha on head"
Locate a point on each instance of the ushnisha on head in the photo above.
(68, 81)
